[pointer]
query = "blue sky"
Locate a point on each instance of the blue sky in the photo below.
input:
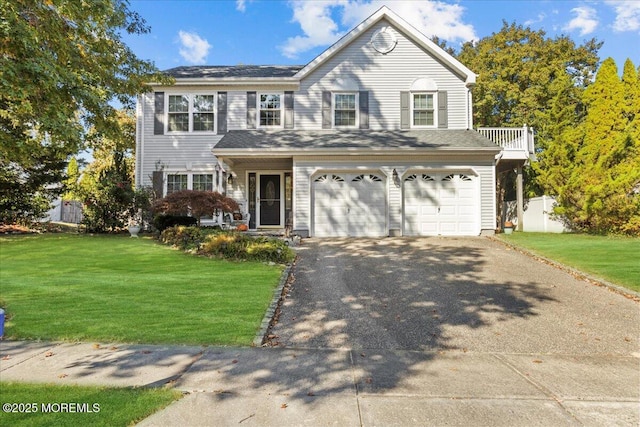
(294, 32)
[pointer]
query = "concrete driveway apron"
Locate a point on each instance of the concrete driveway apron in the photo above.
(468, 294)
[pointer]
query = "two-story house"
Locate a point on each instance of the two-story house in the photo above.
(374, 137)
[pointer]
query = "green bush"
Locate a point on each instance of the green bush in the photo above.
(239, 246)
(183, 237)
(162, 222)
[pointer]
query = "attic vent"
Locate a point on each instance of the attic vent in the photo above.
(384, 40)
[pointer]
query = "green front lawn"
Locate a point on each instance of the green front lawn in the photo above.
(615, 259)
(55, 405)
(119, 289)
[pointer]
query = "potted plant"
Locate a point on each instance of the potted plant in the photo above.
(139, 203)
(508, 227)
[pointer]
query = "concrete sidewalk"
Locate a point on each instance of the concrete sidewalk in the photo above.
(278, 386)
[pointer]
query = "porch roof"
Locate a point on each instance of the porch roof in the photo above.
(340, 141)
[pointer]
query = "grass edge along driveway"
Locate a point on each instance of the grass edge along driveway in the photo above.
(118, 289)
(615, 259)
(43, 404)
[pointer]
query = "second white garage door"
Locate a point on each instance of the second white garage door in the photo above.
(350, 205)
(441, 204)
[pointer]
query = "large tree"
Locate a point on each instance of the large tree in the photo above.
(593, 167)
(62, 62)
(526, 77)
(521, 70)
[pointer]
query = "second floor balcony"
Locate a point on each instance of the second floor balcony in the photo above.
(517, 143)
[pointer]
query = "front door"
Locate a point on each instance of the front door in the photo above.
(269, 200)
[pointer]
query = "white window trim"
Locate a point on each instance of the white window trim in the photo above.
(190, 174)
(333, 109)
(191, 96)
(435, 109)
(281, 125)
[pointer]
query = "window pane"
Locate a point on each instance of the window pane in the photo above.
(176, 183)
(203, 182)
(422, 101)
(345, 118)
(203, 103)
(178, 122)
(345, 101)
(178, 103)
(203, 122)
(423, 118)
(270, 101)
(269, 118)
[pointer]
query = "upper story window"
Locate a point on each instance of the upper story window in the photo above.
(270, 106)
(191, 113)
(423, 110)
(345, 106)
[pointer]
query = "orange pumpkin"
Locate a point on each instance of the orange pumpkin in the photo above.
(242, 227)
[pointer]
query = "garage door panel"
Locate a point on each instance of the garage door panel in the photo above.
(360, 209)
(446, 204)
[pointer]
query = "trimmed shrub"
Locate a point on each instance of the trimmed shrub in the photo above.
(239, 246)
(185, 238)
(163, 221)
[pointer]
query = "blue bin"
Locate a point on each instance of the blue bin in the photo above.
(1, 322)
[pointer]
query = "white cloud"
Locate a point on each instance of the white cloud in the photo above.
(315, 20)
(194, 49)
(241, 5)
(586, 20)
(430, 17)
(627, 15)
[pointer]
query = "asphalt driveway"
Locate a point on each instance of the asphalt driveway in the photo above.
(468, 294)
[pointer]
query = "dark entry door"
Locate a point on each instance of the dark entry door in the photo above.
(270, 200)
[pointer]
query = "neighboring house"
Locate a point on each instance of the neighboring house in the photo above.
(374, 137)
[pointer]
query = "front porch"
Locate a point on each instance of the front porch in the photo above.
(264, 190)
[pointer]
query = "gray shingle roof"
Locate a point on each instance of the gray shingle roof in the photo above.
(221, 71)
(356, 139)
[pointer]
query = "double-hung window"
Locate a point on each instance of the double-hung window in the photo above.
(270, 107)
(423, 110)
(191, 113)
(345, 106)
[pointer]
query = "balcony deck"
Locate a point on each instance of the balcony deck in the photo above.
(517, 143)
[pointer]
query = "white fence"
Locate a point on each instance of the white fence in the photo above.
(536, 215)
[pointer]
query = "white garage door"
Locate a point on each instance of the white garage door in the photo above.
(441, 204)
(350, 205)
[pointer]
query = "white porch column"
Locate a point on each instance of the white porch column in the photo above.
(520, 198)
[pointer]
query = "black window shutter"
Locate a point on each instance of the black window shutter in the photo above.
(443, 110)
(222, 112)
(405, 120)
(158, 183)
(364, 109)
(251, 110)
(158, 117)
(326, 110)
(288, 110)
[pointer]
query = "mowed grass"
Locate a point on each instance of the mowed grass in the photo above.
(44, 405)
(119, 289)
(613, 258)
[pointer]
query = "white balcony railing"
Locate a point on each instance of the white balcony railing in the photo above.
(517, 143)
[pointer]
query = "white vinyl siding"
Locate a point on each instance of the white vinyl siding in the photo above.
(384, 77)
(178, 151)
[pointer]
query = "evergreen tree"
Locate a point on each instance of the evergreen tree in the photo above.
(598, 195)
